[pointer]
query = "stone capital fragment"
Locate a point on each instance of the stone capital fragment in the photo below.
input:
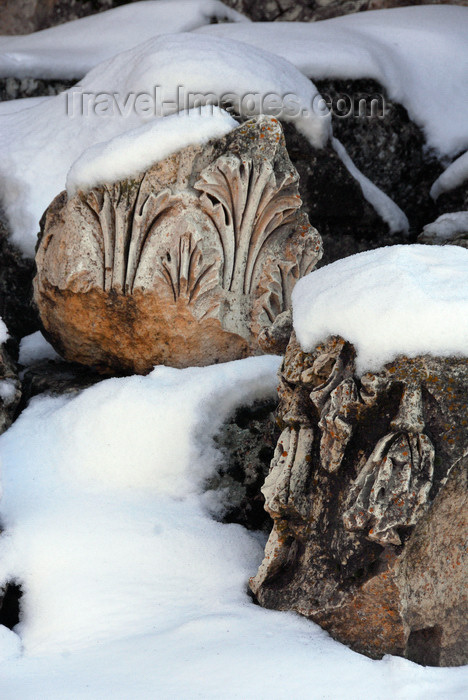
(185, 264)
(367, 492)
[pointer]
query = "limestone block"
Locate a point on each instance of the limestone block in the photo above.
(184, 264)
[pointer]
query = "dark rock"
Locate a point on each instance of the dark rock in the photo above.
(247, 443)
(366, 494)
(19, 88)
(385, 145)
(56, 377)
(314, 10)
(453, 200)
(334, 202)
(10, 389)
(25, 16)
(16, 274)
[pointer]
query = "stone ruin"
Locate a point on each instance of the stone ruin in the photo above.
(193, 262)
(183, 265)
(368, 495)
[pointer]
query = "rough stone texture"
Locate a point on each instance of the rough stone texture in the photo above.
(313, 10)
(334, 202)
(19, 88)
(247, 443)
(458, 236)
(385, 145)
(10, 390)
(364, 474)
(183, 265)
(16, 275)
(453, 200)
(55, 377)
(23, 16)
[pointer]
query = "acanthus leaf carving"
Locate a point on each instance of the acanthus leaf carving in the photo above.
(125, 228)
(186, 273)
(247, 204)
(285, 485)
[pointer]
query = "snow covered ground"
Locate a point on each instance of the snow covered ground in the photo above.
(131, 589)
(70, 50)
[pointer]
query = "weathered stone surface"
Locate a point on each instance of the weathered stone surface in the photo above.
(314, 10)
(448, 229)
(386, 146)
(183, 265)
(10, 390)
(16, 274)
(367, 469)
(56, 377)
(247, 443)
(25, 16)
(334, 202)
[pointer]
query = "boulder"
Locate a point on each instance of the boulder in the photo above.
(367, 491)
(182, 265)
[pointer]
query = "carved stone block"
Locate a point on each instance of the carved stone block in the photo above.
(367, 491)
(183, 265)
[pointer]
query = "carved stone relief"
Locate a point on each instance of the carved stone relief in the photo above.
(207, 243)
(358, 466)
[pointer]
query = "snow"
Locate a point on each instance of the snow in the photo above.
(398, 300)
(33, 348)
(70, 50)
(446, 227)
(135, 151)
(419, 54)
(386, 207)
(3, 332)
(8, 389)
(131, 589)
(453, 176)
(11, 106)
(40, 144)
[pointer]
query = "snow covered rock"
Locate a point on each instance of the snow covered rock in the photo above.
(160, 77)
(181, 265)
(400, 300)
(450, 190)
(451, 228)
(367, 491)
